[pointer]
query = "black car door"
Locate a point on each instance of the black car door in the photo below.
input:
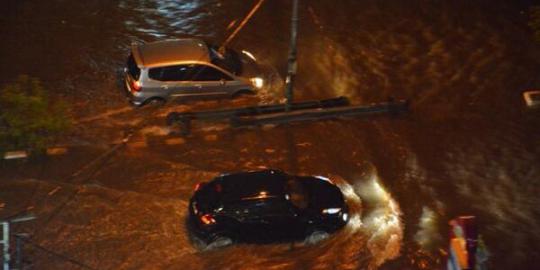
(270, 220)
(284, 222)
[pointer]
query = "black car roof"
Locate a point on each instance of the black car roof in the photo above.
(251, 185)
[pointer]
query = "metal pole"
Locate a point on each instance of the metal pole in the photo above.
(18, 258)
(246, 19)
(5, 243)
(19, 251)
(292, 65)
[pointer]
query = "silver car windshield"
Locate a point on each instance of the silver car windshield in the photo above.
(229, 60)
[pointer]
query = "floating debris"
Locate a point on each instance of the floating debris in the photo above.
(532, 98)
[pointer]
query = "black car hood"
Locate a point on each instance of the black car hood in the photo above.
(322, 193)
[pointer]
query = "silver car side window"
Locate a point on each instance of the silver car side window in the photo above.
(208, 73)
(171, 73)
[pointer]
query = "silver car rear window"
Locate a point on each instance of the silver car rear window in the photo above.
(133, 69)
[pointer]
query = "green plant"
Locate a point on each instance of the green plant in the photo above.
(29, 119)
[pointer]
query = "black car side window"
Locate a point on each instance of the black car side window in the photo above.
(271, 207)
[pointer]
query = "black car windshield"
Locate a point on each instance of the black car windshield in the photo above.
(297, 193)
(228, 59)
(249, 186)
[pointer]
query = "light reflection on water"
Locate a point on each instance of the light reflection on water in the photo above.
(166, 18)
(507, 205)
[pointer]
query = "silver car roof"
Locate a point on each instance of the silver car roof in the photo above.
(170, 52)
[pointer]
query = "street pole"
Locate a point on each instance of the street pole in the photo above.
(292, 64)
(5, 236)
(19, 250)
(5, 244)
(246, 19)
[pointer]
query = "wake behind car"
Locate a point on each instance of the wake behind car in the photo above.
(265, 206)
(158, 71)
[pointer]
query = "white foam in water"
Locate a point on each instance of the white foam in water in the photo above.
(382, 222)
(355, 203)
(427, 234)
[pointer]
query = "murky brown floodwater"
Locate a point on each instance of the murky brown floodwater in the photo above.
(468, 147)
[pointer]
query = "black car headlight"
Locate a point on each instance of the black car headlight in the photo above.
(331, 211)
(194, 208)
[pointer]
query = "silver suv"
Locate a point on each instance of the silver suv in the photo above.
(163, 70)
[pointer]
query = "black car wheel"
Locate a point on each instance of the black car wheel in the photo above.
(315, 236)
(219, 241)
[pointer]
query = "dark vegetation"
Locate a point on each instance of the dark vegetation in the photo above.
(534, 21)
(29, 119)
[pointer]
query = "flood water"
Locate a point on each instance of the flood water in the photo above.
(468, 147)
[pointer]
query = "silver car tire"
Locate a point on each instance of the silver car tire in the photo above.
(155, 101)
(244, 92)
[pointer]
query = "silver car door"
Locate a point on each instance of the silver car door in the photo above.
(176, 80)
(211, 81)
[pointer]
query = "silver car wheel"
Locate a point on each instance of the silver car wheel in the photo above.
(155, 102)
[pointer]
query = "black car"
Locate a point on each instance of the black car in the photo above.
(266, 206)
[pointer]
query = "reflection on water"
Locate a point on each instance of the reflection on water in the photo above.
(165, 18)
(338, 76)
(508, 205)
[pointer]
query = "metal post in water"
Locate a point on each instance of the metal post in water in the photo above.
(292, 64)
(5, 244)
(18, 253)
(18, 250)
(5, 236)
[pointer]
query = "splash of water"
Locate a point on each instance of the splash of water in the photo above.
(427, 235)
(382, 222)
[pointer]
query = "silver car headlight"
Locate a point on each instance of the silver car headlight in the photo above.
(257, 82)
(250, 55)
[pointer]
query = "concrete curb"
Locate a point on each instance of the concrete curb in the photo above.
(15, 155)
(52, 151)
